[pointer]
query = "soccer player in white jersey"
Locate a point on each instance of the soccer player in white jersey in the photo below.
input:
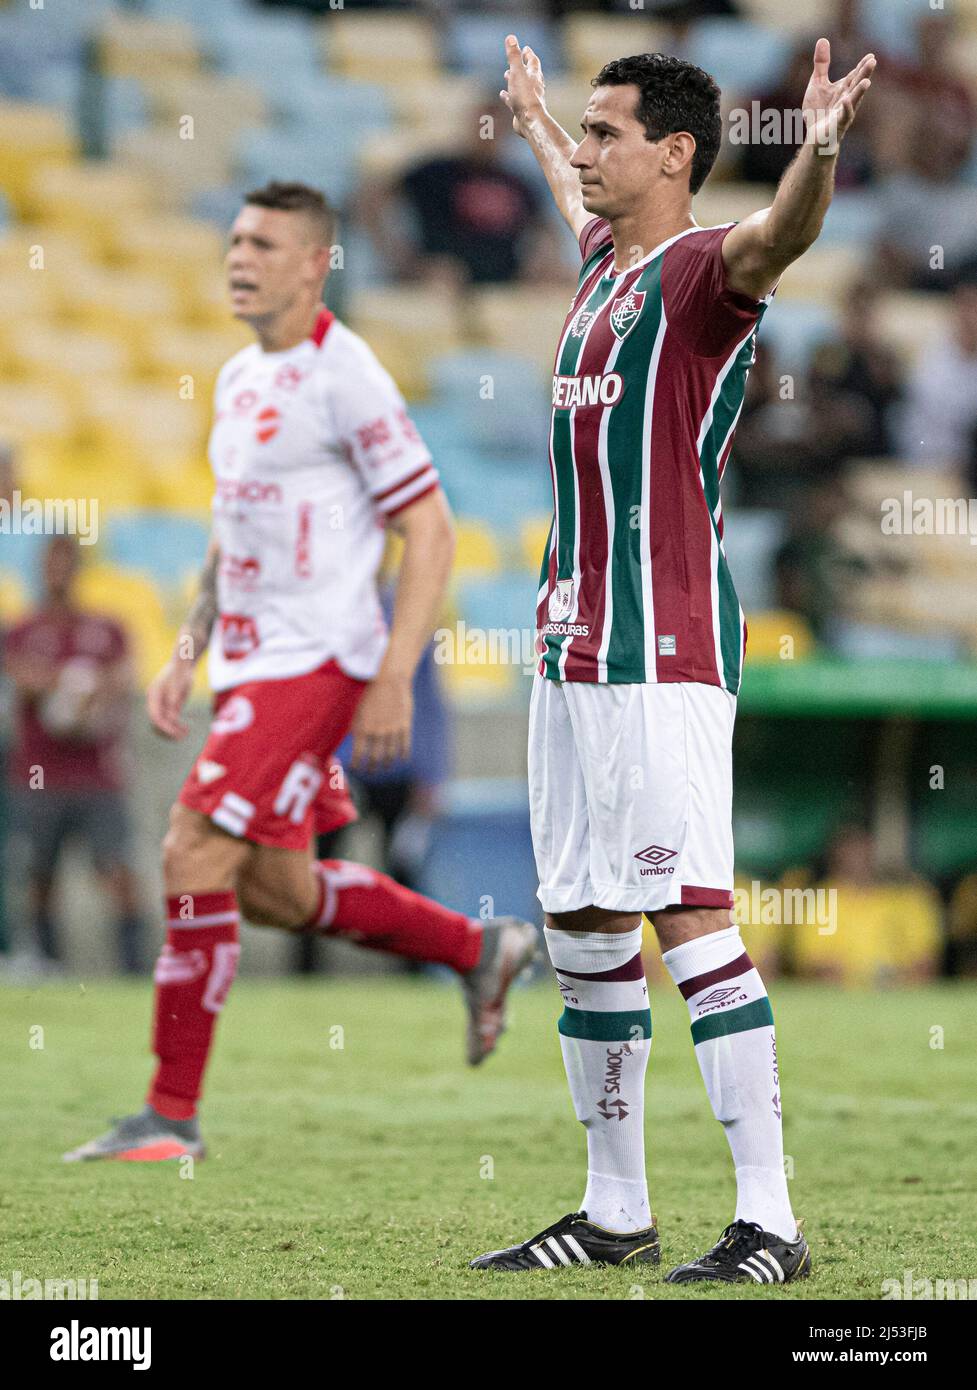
(641, 637)
(314, 455)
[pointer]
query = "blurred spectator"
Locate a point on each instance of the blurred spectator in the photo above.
(962, 928)
(793, 434)
(73, 683)
(886, 932)
(929, 236)
(6, 495)
(761, 162)
(941, 409)
(943, 98)
(470, 218)
(858, 364)
(812, 570)
(405, 796)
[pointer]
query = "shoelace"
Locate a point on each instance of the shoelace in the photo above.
(738, 1239)
(557, 1228)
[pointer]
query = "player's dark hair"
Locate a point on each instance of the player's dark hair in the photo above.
(672, 95)
(297, 197)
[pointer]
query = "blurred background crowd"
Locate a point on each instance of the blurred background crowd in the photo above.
(128, 132)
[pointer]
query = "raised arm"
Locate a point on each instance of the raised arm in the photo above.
(761, 247)
(525, 97)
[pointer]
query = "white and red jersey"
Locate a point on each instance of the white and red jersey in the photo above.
(312, 450)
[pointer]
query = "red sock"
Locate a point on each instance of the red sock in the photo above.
(370, 909)
(193, 974)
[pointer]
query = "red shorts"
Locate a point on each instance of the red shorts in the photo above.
(267, 772)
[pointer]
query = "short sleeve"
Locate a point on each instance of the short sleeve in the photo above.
(379, 437)
(596, 236)
(701, 309)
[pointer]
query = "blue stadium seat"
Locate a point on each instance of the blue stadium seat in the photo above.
(852, 217)
(514, 419)
(21, 555)
(792, 329)
(743, 57)
(892, 24)
(162, 545)
(751, 539)
(506, 602)
(484, 851)
(475, 45)
(272, 49)
(307, 157)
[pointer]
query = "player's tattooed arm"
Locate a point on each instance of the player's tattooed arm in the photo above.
(169, 692)
(525, 97)
(759, 249)
(195, 632)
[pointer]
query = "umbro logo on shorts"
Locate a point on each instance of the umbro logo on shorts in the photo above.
(656, 855)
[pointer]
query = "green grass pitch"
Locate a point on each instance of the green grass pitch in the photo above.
(378, 1168)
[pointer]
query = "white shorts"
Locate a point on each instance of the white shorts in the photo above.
(631, 794)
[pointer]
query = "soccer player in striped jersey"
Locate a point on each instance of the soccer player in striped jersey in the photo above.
(641, 636)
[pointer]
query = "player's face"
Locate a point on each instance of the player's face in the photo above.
(616, 162)
(272, 260)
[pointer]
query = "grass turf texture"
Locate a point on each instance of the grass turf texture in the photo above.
(357, 1171)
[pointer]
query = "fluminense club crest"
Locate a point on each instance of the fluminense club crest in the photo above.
(625, 311)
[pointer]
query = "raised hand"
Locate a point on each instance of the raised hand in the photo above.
(829, 107)
(524, 86)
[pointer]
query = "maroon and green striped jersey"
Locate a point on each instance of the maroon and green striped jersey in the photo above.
(648, 385)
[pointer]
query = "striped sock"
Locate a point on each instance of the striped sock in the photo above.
(605, 1034)
(733, 1033)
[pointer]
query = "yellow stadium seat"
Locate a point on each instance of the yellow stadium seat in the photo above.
(476, 549)
(913, 322)
(133, 601)
(144, 419)
(387, 154)
(36, 413)
(800, 17)
(166, 244)
(778, 636)
(591, 40)
(533, 535)
(143, 47)
(31, 136)
(87, 197)
(468, 683)
(432, 103)
(730, 202)
(126, 302)
(170, 352)
(406, 327)
(189, 490)
(181, 168)
(824, 274)
(64, 356)
(221, 106)
(382, 47)
(507, 316)
(14, 598)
